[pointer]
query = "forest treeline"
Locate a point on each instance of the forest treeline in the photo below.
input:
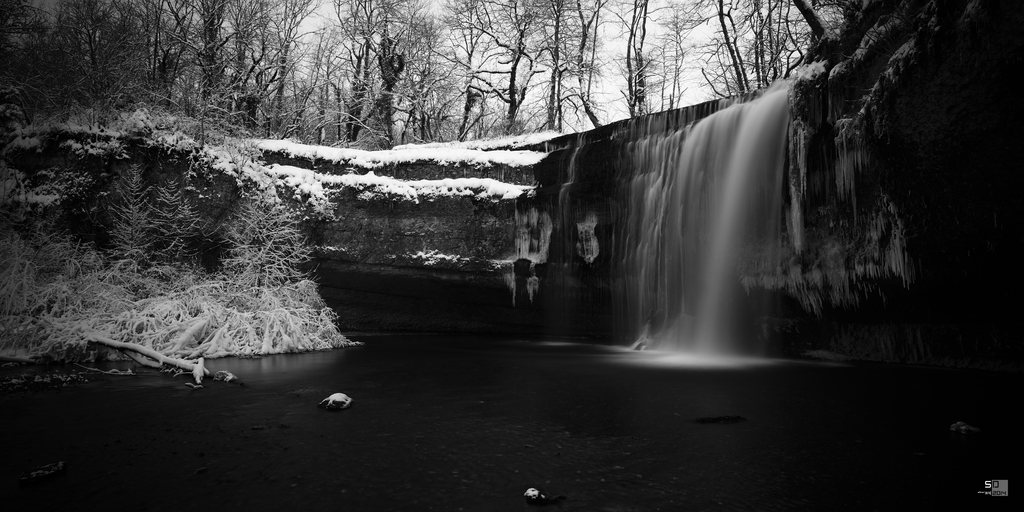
(376, 73)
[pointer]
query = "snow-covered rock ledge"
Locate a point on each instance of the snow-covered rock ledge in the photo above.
(314, 187)
(435, 154)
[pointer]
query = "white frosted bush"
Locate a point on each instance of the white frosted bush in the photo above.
(59, 299)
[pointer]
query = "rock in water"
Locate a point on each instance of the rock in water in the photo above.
(336, 402)
(720, 419)
(964, 428)
(537, 498)
(42, 473)
(225, 376)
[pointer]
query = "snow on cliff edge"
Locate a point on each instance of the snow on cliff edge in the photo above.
(311, 185)
(410, 154)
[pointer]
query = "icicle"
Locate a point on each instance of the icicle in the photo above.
(799, 141)
(851, 158)
(509, 275)
(533, 235)
(586, 244)
(532, 286)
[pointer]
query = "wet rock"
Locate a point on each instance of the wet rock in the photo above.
(963, 428)
(535, 497)
(225, 376)
(720, 419)
(42, 473)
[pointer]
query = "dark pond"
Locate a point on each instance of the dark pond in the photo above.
(469, 423)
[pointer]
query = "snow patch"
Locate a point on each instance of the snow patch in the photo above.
(97, 148)
(311, 183)
(433, 258)
(808, 71)
(411, 154)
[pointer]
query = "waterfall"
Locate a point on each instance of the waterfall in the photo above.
(700, 196)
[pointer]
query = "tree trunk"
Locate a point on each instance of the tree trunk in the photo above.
(811, 17)
(733, 57)
(391, 65)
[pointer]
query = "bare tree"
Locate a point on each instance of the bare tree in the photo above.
(586, 55)
(371, 34)
(250, 72)
(673, 49)
(286, 19)
(469, 47)
(636, 62)
(431, 89)
(555, 13)
(508, 64)
(95, 43)
(756, 43)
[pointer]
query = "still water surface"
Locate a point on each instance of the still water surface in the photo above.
(468, 423)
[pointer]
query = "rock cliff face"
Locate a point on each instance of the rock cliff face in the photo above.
(427, 245)
(428, 253)
(918, 107)
(438, 265)
(899, 220)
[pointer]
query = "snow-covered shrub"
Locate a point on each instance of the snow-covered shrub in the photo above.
(132, 232)
(267, 245)
(177, 226)
(153, 224)
(57, 295)
(103, 148)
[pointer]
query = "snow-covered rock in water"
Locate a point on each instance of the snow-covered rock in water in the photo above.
(536, 497)
(336, 402)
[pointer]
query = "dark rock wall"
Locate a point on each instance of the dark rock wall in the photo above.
(439, 265)
(930, 101)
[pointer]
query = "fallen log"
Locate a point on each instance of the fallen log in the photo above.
(94, 337)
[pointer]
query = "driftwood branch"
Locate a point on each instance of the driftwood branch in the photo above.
(188, 366)
(142, 360)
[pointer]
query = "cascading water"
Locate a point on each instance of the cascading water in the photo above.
(699, 195)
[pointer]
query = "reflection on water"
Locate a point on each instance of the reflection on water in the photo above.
(697, 360)
(485, 418)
